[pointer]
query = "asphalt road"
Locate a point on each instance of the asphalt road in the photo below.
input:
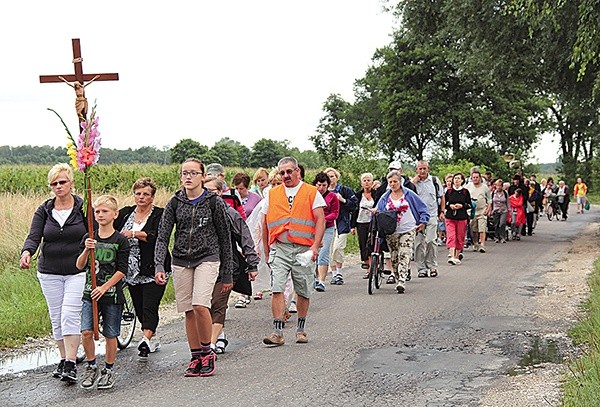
(442, 343)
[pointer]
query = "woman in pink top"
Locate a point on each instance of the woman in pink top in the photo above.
(249, 199)
(332, 211)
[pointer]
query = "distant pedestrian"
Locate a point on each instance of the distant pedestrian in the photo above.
(412, 216)
(431, 191)
(458, 200)
(580, 193)
(348, 202)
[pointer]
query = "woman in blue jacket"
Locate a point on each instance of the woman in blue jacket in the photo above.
(412, 216)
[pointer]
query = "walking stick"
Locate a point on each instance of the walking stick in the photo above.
(90, 222)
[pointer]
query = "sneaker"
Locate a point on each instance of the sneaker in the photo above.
(496, 240)
(502, 240)
(144, 349)
(481, 249)
(301, 337)
(69, 373)
(207, 364)
(274, 339)
(193, 369)
(319, 286)
(241, 302)
(457, 262)
(391, 280)
(258, 296)
(154, 345)
(220, 345)
(475, 247)
(338, 279)
(460, 256)
(422, 274)
(107, 379)
(89, 377)
(400, 288)
(58, 371)
(293, 307)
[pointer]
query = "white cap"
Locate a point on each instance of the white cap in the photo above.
(395, 165)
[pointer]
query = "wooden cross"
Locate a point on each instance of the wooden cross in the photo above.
(79, 81)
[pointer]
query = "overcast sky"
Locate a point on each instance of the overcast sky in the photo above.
(202, 70)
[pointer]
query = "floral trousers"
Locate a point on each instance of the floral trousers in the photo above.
(401, 248)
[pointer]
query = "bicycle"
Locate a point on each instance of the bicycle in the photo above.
(128, 321)
(376, 269)
(553, 209)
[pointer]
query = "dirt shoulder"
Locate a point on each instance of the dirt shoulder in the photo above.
(557, 304)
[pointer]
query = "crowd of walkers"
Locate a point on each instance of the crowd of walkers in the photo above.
(275, 223)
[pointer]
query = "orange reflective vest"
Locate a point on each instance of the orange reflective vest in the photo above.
(299, 222)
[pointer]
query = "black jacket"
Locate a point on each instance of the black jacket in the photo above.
(146, 248)
(201, 235)
(59, 245)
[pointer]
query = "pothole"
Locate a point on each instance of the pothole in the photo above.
(532, 351)
(541, 350)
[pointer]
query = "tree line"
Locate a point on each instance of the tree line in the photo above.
(230, 153)
(473, 80)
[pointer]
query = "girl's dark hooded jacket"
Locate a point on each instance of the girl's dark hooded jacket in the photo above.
(201, 235)
(59, 245)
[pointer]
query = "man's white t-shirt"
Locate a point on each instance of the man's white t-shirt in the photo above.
(319, 202)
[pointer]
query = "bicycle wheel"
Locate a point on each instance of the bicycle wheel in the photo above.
(128, 320)
(549, 212)
(374, 273)
(379, 279)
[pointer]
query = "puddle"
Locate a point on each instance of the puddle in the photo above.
(541, 350)
(16, 365)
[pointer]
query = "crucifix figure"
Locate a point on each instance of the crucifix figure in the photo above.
(78, 81)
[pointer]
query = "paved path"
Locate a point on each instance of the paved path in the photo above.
(442, 343)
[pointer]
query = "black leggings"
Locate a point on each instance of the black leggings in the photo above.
(362, 231)
(146, 299)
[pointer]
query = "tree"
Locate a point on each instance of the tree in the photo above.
(232, 153)
(584, 50)
(187, 148)
(267, 153)
(334, 132)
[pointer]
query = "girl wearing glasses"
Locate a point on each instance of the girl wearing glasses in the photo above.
(58, 226)
(201, 253)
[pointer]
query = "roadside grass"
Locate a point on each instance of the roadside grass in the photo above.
(22, 306)
(582, 384)
(23, 310)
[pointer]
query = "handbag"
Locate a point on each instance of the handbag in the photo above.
(587, 205)
(530, 208)
(386, 222)
(473, 208)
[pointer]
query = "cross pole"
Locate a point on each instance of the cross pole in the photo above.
(78, 82)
